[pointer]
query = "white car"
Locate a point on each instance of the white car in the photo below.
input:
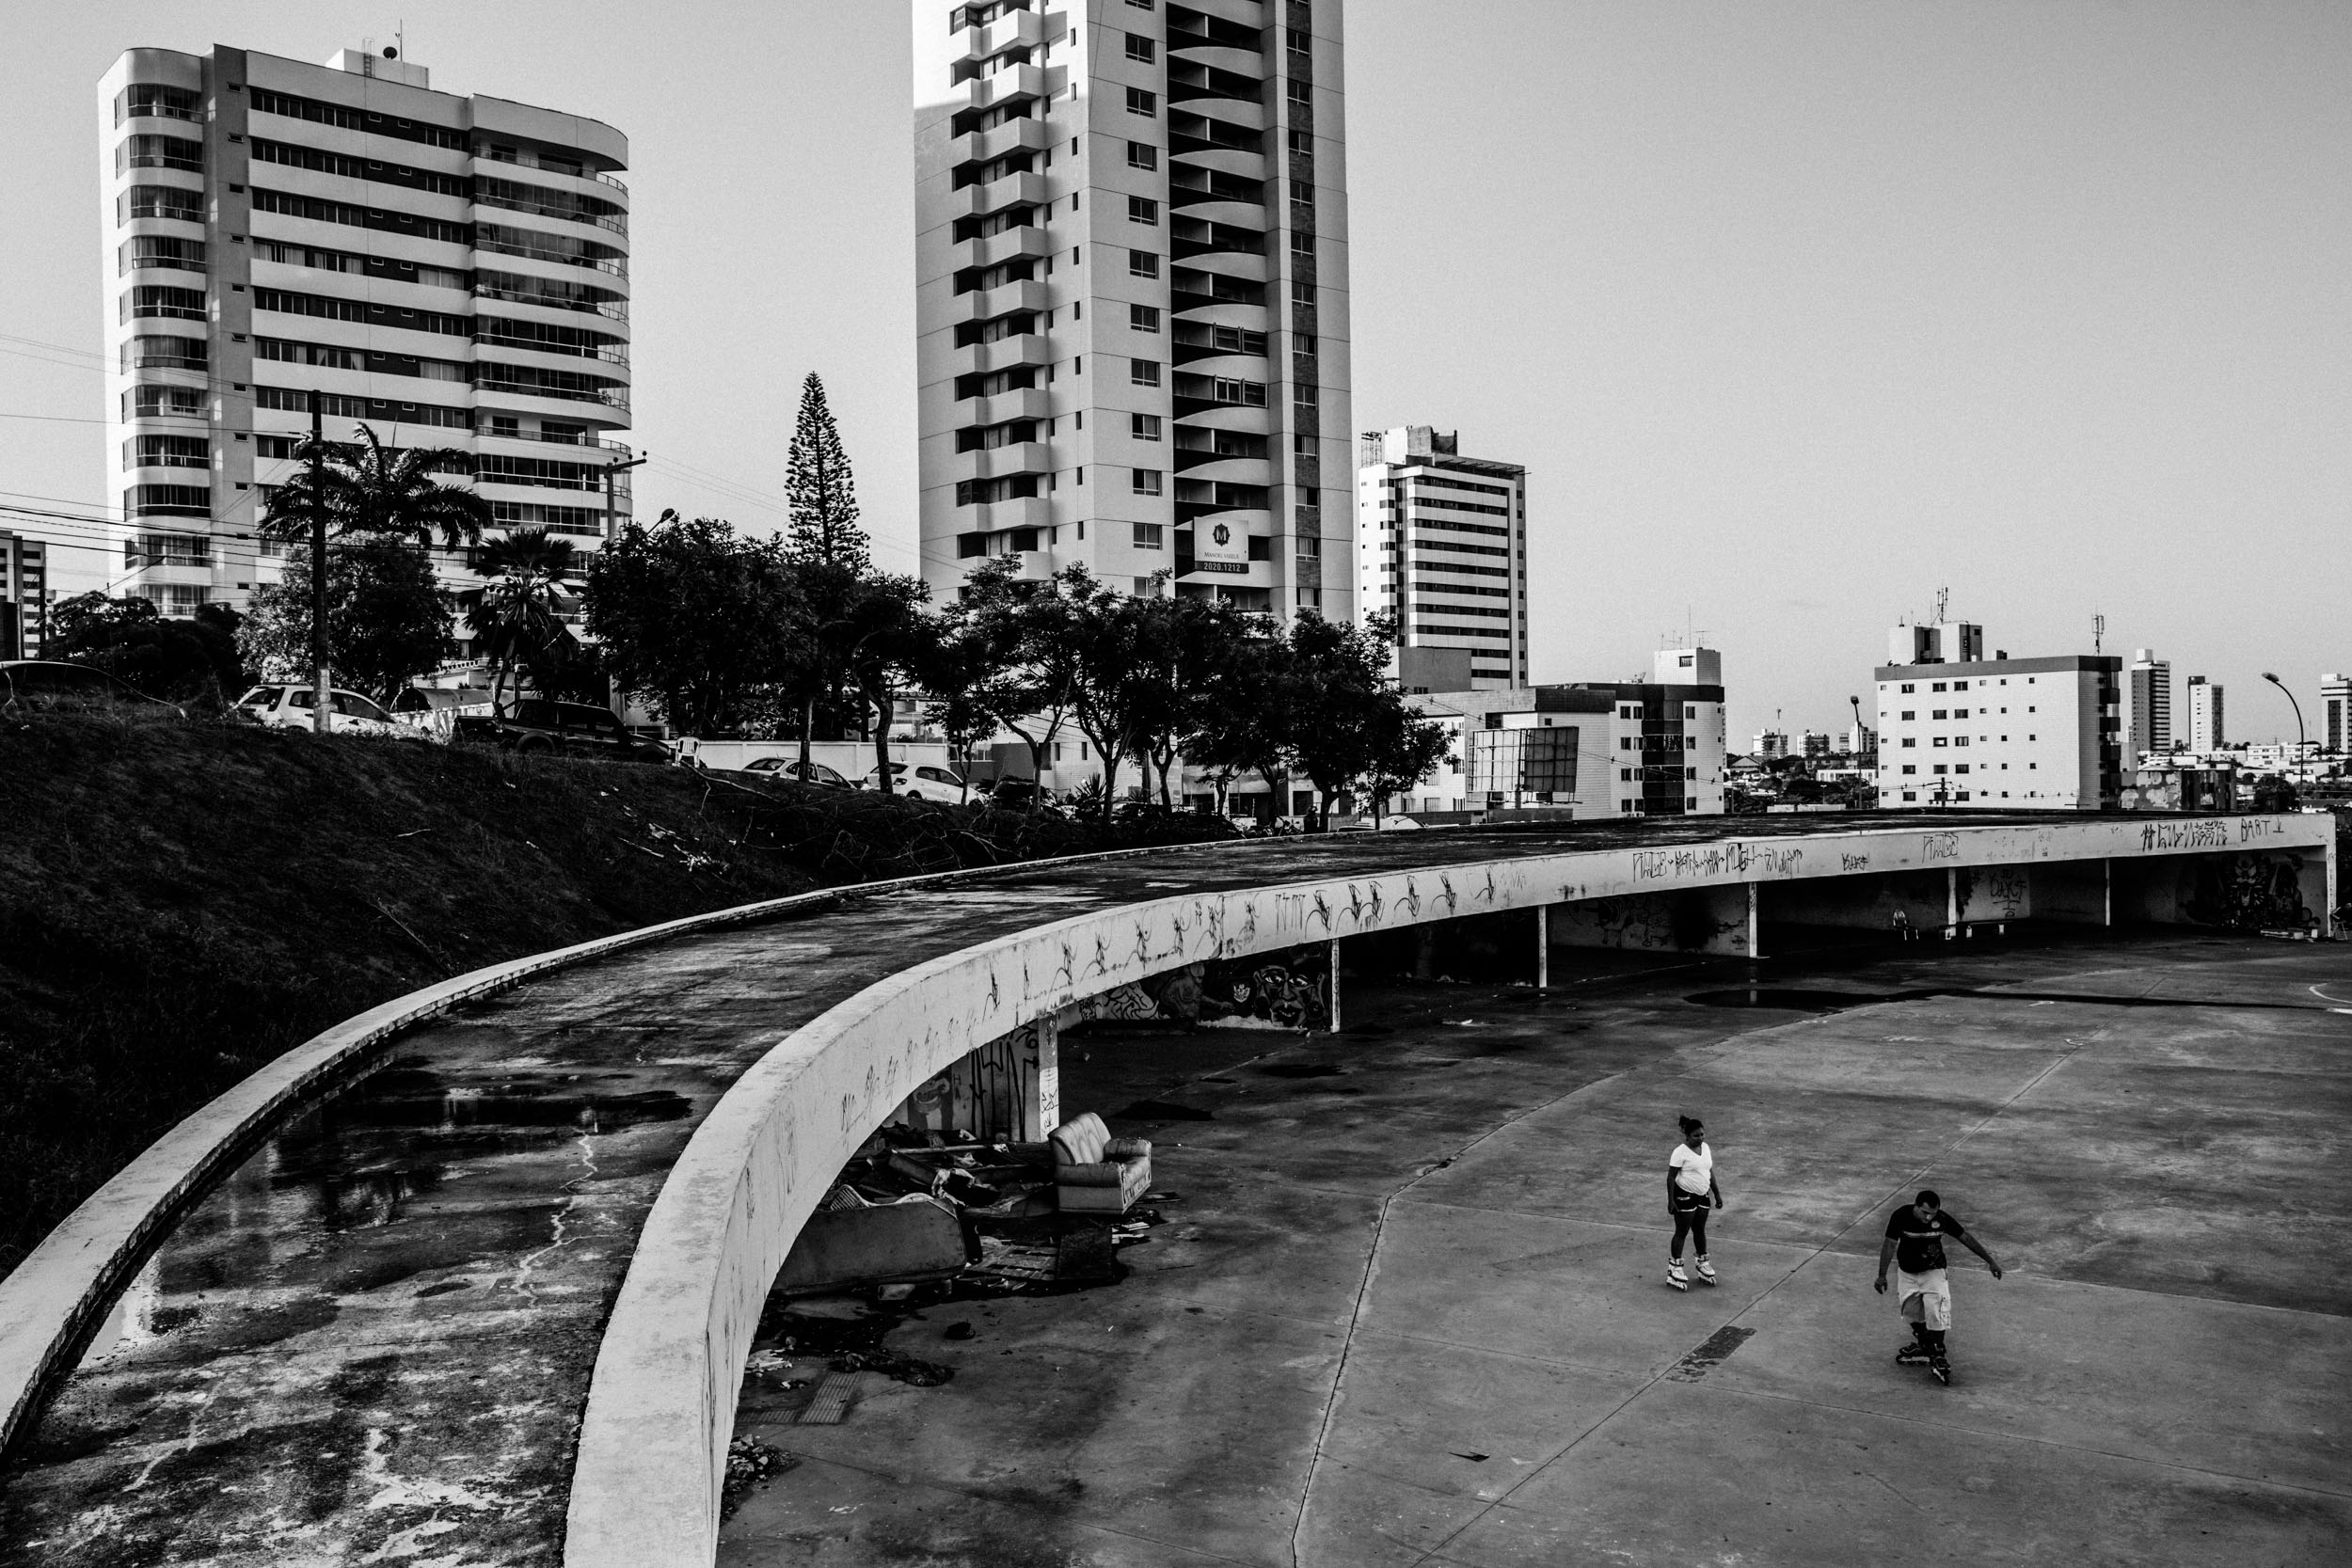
(289, 708)
(923, 782)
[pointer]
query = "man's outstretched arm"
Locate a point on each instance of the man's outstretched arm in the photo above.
(1886, 1256)
(1970, 1243)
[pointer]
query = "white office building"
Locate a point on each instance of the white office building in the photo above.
(1999, 734)
(1441, 547)
(2206, 731)
(1132, 300)
(1592, 749)
(2148, 706)
(449, 270)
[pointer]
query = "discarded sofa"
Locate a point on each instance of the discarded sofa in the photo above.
(915, 1239)
(1095, 1173)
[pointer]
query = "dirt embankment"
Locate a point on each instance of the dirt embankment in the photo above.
(182, 900)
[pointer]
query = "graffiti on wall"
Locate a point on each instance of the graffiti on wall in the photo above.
(2248, 893)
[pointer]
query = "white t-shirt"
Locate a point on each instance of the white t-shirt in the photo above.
(1693, 1173)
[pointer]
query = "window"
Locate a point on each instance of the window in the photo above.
(1147, 482)
(1142, 154)
(1142, 209)
(1960, 740)
(1144, 427)
(1940, 713)
(1139, 48)
(1148, 537)
(1144, 373)
(1960, 686)
(1142, 103)
(1937, 687)
(1910, 714)
(1144, 318)
(1143, 263)
(1941, 741)
(1910, 768)
(1960, 713)
(1908, 686)
(1960, 767)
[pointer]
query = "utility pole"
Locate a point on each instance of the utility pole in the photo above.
(611, 507)
(320, 712)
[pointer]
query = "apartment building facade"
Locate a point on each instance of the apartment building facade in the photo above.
(2335, 708)
(2000, 734)
(1441, 547)
(1132, 295)
(2150, 707)
(449, 270)
(2207, 725)
(24, 596)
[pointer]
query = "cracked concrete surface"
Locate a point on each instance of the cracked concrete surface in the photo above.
(1415, 1313)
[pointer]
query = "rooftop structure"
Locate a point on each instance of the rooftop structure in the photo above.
(2000, 734)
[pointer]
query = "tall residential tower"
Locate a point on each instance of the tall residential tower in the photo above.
(1131, 265)
(451, 271)
(2148, 709)
(1443, 549)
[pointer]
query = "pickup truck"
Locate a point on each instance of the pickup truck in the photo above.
(552, 728)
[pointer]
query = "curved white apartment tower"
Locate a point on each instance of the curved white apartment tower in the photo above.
(1132, 271)
(452, 271)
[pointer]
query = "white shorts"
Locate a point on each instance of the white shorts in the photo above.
(1926, 1298)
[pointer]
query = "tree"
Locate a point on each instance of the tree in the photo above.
(1345, 722)
(1025, 658)
(518, 616)
(820, 490)
(387, 617)
(1239, 726)
(707, 626)
(131, 641)
(956, 671)
(1112, 665)
(371, 488)
(882, 639)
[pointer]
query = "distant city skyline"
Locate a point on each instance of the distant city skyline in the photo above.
(1795, 312)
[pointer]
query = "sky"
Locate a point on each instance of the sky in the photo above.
(1797, 313)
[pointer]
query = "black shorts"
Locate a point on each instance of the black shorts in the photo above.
(1689, 1203)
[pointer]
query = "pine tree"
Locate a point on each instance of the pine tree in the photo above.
(820, 489)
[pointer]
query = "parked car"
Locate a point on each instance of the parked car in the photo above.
(792, 768)
(54, 677)
(1008, 793)
(289, 708)
(435, 710)
(545, 726)
(923, 783)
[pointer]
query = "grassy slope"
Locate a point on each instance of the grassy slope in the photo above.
(183, 899)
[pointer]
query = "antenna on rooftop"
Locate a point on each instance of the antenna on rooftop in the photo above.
(2097, 632)
(1942, 603)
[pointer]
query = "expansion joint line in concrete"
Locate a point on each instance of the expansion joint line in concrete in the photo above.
(1363, 1292)
(2072, 1049)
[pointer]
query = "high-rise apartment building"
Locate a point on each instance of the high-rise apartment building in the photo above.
(2205, 726)
(1441, 546)
(451, 271)
(2335, 707)
(24, 596)
(2149, 707)
(1131, 261)
(1999, 734)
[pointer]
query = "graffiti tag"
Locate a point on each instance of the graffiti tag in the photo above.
(2185, 835)
(1938, 847)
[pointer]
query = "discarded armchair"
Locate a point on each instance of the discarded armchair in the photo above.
(1095, 1173)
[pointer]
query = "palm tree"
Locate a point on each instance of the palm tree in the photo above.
(517, 617)
(371, 488)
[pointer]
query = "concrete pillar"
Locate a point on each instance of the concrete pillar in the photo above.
(1755, 901)
(1543, 947)
(2315, 880)
(1335, 984)
(1425, 951)
(1951, 902)
(1041, 1081)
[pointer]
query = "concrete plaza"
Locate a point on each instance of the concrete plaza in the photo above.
(1414, 1310)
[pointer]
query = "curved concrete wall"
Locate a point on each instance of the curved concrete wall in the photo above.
(652, 1457)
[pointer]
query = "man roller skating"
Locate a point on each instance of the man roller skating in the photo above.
(1914, 1245)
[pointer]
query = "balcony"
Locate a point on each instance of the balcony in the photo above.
(1013, 190)
(1020, 512)
(1029, 348)
(1006, 32)
(1030, 241)
(985, 146)
(1021, 457)
(989, 304)
(1030, 402)
(1021, 81)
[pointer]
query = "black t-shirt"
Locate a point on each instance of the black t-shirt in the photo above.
(1919, 1243)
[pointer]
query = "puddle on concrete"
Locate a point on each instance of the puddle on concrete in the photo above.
(1785, 999)
(1302, 1070)
(1162, 1110)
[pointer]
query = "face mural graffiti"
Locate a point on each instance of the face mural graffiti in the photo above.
(1286, 989)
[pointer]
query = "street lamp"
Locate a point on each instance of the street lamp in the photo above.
(2298, 717)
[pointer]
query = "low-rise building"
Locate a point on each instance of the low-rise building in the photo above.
(2000, 734)
(1592, 748)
